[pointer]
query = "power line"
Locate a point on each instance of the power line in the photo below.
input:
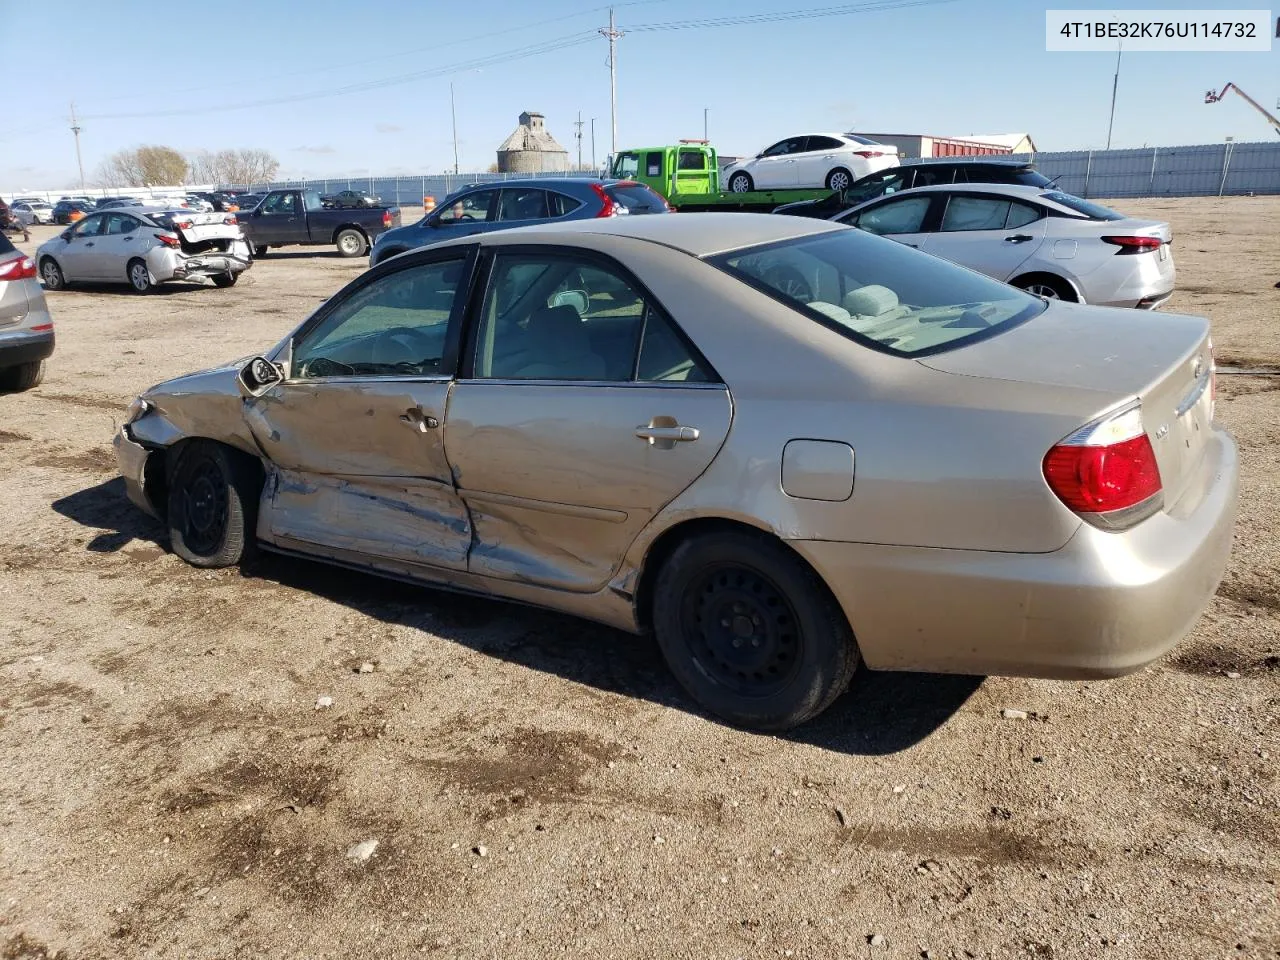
(810, 14)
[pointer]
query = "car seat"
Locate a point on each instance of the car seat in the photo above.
(557, 347)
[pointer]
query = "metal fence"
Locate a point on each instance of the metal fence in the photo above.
(1207, 170)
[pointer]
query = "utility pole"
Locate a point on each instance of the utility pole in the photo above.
(75, 129)
(704, 123)
(612, 35)
(578, 134)
(454, 113)
(1114, 86)
(594, 168)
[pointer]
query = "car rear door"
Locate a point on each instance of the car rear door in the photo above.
(581, 412)
(354, 434)
(988, 232)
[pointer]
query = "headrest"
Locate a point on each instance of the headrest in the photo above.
(870, 301)
(549, 322)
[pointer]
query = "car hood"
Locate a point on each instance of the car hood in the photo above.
(214, 380)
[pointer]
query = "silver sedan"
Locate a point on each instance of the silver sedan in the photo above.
(782, 445)
(1050, 243)
(145, 246)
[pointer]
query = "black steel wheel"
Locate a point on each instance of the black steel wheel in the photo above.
(213, 505)
(750, 631)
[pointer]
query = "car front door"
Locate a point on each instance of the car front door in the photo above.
(76, 258)
(987, 232)
(904, 218)
(821, 155)
(279, 219)
(354, 432)
(776, 167)
(582, 412)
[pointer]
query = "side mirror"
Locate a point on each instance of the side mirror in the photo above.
(257, 376)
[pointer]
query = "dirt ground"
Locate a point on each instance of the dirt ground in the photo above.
(538, 786)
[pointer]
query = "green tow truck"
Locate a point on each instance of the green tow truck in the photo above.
(688, 176)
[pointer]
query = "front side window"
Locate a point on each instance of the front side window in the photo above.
(549, 317)
(784, 147)
(896, 216)
(880, 293)
(392, 327)
(469, 208)
(975, 213)
(87, 227)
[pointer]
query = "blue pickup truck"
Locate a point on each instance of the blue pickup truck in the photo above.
(290, 216)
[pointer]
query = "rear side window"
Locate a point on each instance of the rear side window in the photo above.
(636, 198)
(827, 143)
(1094, 211)
(653, 165)
(975, 213)
(559, 204)
(880, 293)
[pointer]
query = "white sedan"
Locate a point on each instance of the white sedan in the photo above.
(830, 160)
(32, 211)
(1047, 242)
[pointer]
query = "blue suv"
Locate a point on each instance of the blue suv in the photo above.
(483, 207)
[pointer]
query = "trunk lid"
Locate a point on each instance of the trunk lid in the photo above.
(194, 226)
(1165, 360)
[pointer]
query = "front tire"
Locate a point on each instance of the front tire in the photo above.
(741, 183)
(213, 505)
(140, 277)
(750, 631)
(225, 279)
(52, 274)
(22, 377)
(351, 243)
(839, 180)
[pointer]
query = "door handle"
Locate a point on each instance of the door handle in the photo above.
(1018, 238)
(420, 421)
(89, 244)
(664, 433)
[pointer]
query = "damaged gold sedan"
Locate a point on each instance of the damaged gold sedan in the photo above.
(784, 446)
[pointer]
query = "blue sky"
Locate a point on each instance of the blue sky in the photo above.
(958, 67)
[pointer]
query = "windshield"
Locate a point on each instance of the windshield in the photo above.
(1094, 211)
(880, 293)
(626, 166)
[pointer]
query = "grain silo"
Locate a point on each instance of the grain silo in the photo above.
(530, 149)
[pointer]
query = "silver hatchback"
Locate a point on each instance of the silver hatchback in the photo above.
(26, 329)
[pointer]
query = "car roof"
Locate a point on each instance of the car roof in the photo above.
(697, 234)
(969, 162)
(1019, 190)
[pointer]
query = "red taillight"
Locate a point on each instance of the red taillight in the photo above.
(608, 208)
(42, 327)
(230, 221)
(1134, 244)
(386, 218)
(183, 225)
(169, 240)
(1106, 467)
(868, 153)
(23, 268)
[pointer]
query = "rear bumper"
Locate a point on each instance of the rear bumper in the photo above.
(177, 265)
(1103, 605)
(18, 348)
(1131, 281)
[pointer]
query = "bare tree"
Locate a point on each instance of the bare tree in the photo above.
(251, 165)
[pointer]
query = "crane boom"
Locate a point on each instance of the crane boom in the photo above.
(1212, 97)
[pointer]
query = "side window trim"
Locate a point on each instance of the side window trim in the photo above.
(482, 279)
(466, 288)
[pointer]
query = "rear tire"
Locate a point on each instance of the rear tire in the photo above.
(741, 183)
(140, 276)
(52, 274)
(260, 251)
(22, 377)
(213, 505)
(351, 243)
(750, 631)
(225, 279)
(1048, 286)
(839, 180)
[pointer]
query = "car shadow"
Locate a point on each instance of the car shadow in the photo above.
(167, 289)
(881, 713)
(306, 253)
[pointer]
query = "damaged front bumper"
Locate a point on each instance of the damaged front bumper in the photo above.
(131, 458)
